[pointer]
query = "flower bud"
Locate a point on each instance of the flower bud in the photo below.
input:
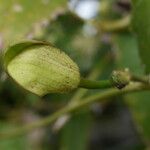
(41, 68)
(120, 78)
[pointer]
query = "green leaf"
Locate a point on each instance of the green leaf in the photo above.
(139, 104)
(127, 53)
(141, 26)
(41, 68)
(76, 131)
(17, 143)
(19, 17)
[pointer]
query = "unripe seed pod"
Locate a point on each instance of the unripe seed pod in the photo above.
(41, 68)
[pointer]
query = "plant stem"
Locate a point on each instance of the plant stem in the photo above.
(144, 79)
(95, 72)
(90, 84)
(114, 25)
(74, 106)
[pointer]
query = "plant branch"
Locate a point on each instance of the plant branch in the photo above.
(113, 25)
(95, 72)
(90, 84)
(132, 87)
(144, 79)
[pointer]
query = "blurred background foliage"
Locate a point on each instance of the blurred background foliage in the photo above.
(75, 26)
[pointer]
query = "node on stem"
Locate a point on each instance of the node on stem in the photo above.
(120, 78)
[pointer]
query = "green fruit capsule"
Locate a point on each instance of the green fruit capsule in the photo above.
(41, 68)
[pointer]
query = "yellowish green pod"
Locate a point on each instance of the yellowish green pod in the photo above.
(41, 68)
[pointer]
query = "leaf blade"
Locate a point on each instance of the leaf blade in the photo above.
(141, 27)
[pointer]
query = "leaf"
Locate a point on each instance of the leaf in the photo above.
(127, 53)
(17, 143)
(76, 131)
(141, 26)
(18, 17)
(139, 104)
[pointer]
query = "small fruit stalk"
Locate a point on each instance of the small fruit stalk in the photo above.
(41, 68)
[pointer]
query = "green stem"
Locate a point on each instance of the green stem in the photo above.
(90, 84)
(114, 25)
(144, 79)
(97, 71)
(74, 106)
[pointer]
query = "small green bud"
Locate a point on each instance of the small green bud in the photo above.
(120, 78)
(41, 68)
